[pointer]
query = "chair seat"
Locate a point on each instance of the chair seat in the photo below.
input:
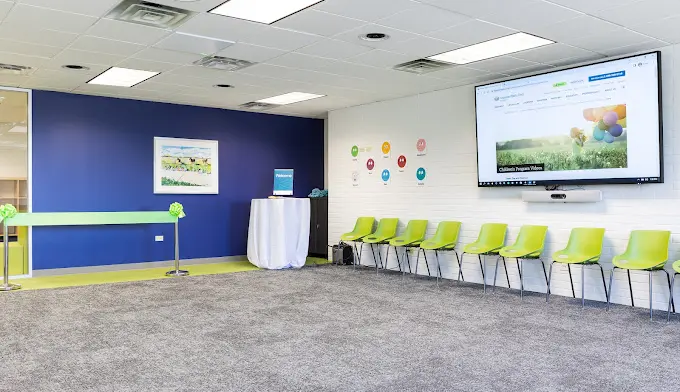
(371, 239)
(478, 249)
(403, 241)
(352, 236)
(434, 245)
(676, 266)
(575, 258)
(513, 252)
(629, 263)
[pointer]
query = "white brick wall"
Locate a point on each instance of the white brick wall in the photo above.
(446, 119)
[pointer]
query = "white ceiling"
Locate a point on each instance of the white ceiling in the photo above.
(318, 50)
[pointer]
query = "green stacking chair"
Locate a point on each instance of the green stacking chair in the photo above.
(583, 248)
(411, 238)
(491, 239)
(362, 228)
(676, 268)
(387, 229)
(528, 246)
(647, 250)
(445, 239)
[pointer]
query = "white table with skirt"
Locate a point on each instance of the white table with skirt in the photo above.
(278, 233)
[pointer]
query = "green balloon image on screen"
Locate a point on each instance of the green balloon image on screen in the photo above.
(355, 151)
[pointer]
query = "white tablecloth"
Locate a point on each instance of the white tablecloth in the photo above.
(278, 234)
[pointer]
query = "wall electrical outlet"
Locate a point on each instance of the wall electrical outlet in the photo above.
(159, 238)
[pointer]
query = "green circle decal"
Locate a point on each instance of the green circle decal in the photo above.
(355, 151)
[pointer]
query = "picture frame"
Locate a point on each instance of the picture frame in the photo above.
(185, 166)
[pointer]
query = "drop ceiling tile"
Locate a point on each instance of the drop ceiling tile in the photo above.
(589, 6)
(249, 52)
(531, 15)
(167, 56)
(211, 25)
(478, 8)
(5, 6)
(380, 58)
(146, 65)
(577, 61)
(103, 45)
(552, 53)
(88, 7)
(602, 42)
(421, 47)
(75, 76)
(577, 27)
(640, 12)
(49, 19)
(282, 39)
(395, 36)
(334, 49)
(12, 80)
(10, 46)
(128, 32)
(369, 11)
(183, 42)
(457, 73)
(472, 32)
(530, 70)
(501, 64)
(644, 46)
(72, 56)
(664, 29)
(30, 34)
(318, 22)
(196, 5)
(423, 19)
(20, 59)
(50, 84)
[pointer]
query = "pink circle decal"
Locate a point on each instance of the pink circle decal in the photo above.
(370, 164)
(421, 145)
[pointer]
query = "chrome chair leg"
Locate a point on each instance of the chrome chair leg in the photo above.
(604, 284)
(670, 297)
(483, 266)
(520, 267)
(408, 261)
(651, 308)
(417, 262)
(547, 292)
(670, 286)
(427, 264)
(495, 274)
(460, 265)
(611, 287)
(439, 274)
(545, 275)
(573, 293)
(583, 285)
(505, 267)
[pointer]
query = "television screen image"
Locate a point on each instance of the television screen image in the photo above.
(598, 123)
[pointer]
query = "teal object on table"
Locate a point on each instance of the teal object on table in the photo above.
(316, 192)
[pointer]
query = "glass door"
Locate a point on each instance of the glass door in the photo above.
(14, 171)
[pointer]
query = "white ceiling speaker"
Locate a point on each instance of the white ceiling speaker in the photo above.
(223, 63)
(581, 196)
(150, 14)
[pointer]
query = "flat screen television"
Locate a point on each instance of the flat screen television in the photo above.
(593, 124)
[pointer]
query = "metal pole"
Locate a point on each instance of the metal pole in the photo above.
(7, 286)
(177, 271)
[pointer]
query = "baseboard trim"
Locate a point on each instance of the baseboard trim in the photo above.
(122, 267)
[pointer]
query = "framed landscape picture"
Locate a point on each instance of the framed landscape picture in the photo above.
(185, 166)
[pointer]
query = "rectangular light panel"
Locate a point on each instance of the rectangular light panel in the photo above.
(262, 11)
(287, 99)
(496, 47)
(122, 77)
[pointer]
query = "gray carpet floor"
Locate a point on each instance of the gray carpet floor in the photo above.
(326, 329)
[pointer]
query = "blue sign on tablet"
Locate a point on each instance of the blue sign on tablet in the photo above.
(283, 182)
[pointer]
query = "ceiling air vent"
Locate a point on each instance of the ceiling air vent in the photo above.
(223, 63)
(9, 69)
(258, 106)
(150, 14)
(421, 66)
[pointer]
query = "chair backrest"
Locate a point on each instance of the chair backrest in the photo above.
(447, 232)
(415, 230)
(531, 237)
(364, 225)
(648, 245)
(585, 240)
(387, 227)
(492, 235)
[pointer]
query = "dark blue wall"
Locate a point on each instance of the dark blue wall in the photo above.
(96, 154)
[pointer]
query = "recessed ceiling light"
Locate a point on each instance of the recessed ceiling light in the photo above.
(75, 67)
(223, 86)
(289, 98)
(122, 77)
(374, 37)
(262, 11)
(493, 48)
